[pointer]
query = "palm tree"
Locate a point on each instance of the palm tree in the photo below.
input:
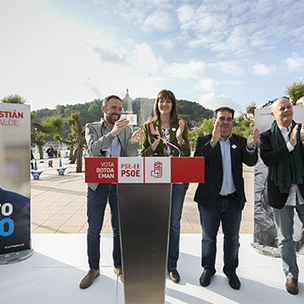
(296, 90)
(76, 138)
(14, 98)
(48, 125)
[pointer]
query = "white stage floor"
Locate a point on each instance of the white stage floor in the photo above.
(52, 275)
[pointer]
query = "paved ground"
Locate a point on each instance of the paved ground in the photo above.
(58, 203)
(59, 262)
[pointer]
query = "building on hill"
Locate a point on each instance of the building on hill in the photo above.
(128, 100)
(129, 112)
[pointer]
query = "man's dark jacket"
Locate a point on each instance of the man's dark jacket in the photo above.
(271, 157)
(208, 192)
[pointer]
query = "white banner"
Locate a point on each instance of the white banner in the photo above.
(14, 178)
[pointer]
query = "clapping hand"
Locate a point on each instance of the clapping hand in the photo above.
(302, 132)
(154, 132)
(119, 125)
(253, 137)
(179, 132)
(137, 136)
(294, 133)
(216, 132)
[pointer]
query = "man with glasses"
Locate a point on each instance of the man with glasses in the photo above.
(282, 150)
(221, 198)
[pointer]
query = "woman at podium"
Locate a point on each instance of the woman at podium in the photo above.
(166, 135)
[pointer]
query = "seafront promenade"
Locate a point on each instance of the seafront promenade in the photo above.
(58, 203)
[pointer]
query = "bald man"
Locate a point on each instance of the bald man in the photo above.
(282, 150)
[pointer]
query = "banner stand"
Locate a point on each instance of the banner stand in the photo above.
(15, 215)
(14, 257)
(266, 250)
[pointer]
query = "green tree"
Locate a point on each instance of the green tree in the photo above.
(250, 111)
(205, 128)
(37, 137)
(76, 137)
(187, 119)
(14, 98)
(296, 90)
(242, 125)
(244, 122)
(49, 125)
(70, 141)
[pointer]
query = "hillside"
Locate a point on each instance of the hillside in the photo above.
(191, 111)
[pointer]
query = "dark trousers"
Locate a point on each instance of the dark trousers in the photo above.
(227, 211)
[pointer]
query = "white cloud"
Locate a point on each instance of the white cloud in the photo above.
(160, 21)
(208, 84)
(213, 101)
(54, 52)
(167, 44)
(241, 27)
(263, 70)
(192, 69)
(138, 11)
(295, 63)
(186, 16)
(144, 59)
(237, 41)
(230, 68)
(109, 55)
(200, 69)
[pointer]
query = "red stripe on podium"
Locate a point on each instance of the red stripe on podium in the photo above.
(187, 170)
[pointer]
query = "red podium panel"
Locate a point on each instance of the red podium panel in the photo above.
(101, 170)
(187, 170)
(144, 170)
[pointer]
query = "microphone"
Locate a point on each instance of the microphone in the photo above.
(105, 152)
(167, 142)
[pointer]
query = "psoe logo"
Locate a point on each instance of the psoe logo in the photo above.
(157, 171)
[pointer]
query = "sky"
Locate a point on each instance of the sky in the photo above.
(215, 52)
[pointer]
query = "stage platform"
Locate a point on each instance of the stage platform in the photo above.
(52, 275)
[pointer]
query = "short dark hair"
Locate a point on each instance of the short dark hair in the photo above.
(106, 100)
(222, 109)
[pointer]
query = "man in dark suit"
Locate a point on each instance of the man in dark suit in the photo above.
(282, 150)
(221, 198)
